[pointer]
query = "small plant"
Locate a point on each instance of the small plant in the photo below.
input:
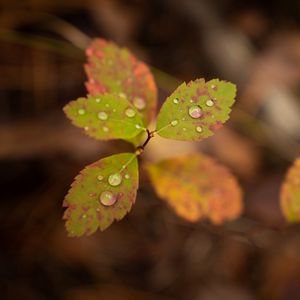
(120, 105)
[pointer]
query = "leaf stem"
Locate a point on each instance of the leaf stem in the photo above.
(157, 131)
(129, 161)
(140, 149)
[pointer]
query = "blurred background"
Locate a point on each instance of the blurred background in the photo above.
(151, 254)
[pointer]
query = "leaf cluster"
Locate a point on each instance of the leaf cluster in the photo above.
(121, 103)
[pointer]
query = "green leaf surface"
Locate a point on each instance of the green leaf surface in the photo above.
(290, 193)
(112, 69)
(196, 187)
(102, 192)
(105, 117)
(195, 110)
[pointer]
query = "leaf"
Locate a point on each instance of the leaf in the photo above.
(105, 117)
(195, 110)
(111, 69)
(94, 202)
(196, 187)
(290, 193)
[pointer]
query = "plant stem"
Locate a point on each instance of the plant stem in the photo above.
(140, 149)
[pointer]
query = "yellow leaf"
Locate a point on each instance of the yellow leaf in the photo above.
(196, 187)
(290, 193)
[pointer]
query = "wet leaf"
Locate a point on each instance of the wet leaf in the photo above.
(105, 117)
(112, 69)
(102, 192)
(195, 110)
(196, 187)
(290, 193)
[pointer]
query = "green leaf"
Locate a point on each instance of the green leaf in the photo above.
(195, 110)
(105, 117)
(196, 187)
(102, 192)
(290, 193)
(111, 69)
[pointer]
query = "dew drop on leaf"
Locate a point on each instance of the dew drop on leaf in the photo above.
(210, 103)
(107, 198)
(176, 100)
(199, 129)
(129, 112)
(195, 112)
(84, 216)
(98, 100)
(127, 176)
(100, 177)
(105, 129)
(139, 103)
(115, 179)
(102, 115)
(122, 95)
(137, 126)
(174, 122)
(81, 111)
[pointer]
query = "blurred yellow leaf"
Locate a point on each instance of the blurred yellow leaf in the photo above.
(196, 187)
(290, 193)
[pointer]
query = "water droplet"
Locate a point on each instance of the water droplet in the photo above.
(122, 95)
(115, 179)
(191, 101)
(102, 115)
(81, 111)
(184, 129)
(138, 126)
(83, 216)
(100, 177)
(106, 105)
(139, 103)
(127, 176)
(199, 129)
(195, 112)
(129, 112)
(174, 122)
(107, 198)
(98, 100)
(176, 100)
(213, 86)
(105, 129)
(210, 103)
(183, 119)
(86, 128)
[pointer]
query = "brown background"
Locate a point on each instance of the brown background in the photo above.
(151, 254)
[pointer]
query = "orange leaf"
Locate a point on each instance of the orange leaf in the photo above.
(196, 187)
(290, 193)
(111, 69)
